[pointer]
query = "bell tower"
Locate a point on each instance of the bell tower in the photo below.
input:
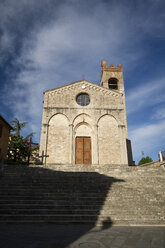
(112, 77)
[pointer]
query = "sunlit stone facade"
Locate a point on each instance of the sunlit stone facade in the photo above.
(85, 123)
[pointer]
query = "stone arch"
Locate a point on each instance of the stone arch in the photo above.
(108, 140)
(83, 143)
(83, 129)
(57, 114)
(82, 118)
(58, 139)
(113, 117)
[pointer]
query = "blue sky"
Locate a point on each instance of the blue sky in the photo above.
(49, 43)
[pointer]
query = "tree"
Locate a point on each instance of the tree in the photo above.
(17, 126)
(145, 160)
(18, 147)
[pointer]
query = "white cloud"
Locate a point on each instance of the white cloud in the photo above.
(147, 138)
(147, 94)
(70, 43)
(159, 113)
(61, 51)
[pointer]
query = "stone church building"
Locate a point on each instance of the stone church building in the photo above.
(85, 123)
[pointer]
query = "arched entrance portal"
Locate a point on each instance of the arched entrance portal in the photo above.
(83, 151)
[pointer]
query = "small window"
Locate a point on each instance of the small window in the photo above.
(1, 127)
(112, 83)
(83, 99)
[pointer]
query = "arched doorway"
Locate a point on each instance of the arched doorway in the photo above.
(83, 144)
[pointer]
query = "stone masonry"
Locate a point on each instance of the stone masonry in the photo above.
(101, 117)
(96, 195)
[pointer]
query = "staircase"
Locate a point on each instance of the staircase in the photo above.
(106, 195)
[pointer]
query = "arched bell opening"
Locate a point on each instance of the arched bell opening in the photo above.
(113, 84)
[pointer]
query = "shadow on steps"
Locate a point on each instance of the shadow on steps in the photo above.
(41, 196)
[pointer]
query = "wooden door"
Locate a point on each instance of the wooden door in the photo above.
(87, 150)
(83, 150)
(79, 150)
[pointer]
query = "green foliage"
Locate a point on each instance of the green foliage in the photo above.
(145, 160)
(18, 148)
(17, 126)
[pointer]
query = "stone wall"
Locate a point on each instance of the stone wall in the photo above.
(58, 140)
(107, 139)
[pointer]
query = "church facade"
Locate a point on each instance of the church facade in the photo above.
(85, 123)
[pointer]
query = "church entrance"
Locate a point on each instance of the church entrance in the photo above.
(83, 150)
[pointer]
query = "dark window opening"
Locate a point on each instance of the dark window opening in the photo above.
(112, 83)
(83, 99)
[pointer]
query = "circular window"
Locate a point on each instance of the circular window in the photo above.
(83, 99)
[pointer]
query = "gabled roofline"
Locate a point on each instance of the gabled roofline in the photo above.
(97, 85)
(70, 84)
(6, 122)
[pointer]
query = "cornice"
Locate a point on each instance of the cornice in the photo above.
(84, 84)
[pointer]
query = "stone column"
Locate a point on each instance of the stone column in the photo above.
(46, 144)
(123, 145)
(71, 144)
(43, 141)
(95, 152)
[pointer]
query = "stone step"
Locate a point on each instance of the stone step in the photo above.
(53, 194)
(77, 204)
(77, 211)
(54, 181)
(91, 207)
(79, 217)
(45, 201)
(102, 224)
(119, 194)
(52, 197)
(78, 200)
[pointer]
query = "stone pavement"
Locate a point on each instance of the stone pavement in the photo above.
(83, 236)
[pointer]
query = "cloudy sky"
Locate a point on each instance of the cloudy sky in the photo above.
(48, 43)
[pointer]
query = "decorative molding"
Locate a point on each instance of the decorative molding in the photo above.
(88, 85)
(68, 108)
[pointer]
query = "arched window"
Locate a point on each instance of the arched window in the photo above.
(113, 83)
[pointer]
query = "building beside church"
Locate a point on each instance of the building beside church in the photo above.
(85, 123)
(5, 128)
